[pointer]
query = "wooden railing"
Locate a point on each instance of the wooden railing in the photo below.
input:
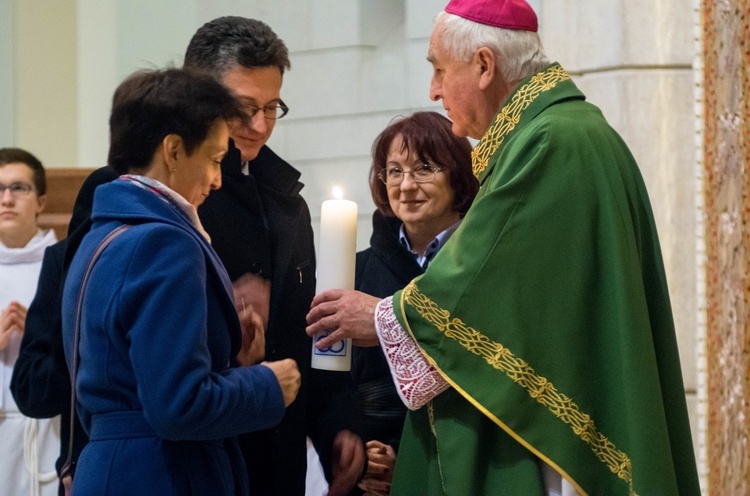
(62, 188)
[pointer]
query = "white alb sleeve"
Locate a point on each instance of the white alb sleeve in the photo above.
(417, 382)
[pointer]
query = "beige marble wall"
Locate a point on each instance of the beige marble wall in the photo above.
(96, 79)
(7, 79)
(359, 66)
(115, 38)
(45, 80)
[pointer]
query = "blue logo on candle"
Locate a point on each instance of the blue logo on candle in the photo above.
(336, 349)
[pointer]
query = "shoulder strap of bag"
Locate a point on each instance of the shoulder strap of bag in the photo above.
(67, 467)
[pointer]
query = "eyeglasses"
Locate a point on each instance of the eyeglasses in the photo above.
(17, 190)
(423, 173)
(270, 112)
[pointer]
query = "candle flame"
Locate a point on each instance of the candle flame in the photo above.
(338, 193)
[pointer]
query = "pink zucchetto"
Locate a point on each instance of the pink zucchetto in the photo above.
(508, 14)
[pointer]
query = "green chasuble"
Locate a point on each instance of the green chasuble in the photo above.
(548, 313)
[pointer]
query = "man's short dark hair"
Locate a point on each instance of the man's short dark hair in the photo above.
(227, 42)
(12, 155)
(152, 104)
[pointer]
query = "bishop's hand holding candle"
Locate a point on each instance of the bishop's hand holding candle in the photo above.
(335, 275)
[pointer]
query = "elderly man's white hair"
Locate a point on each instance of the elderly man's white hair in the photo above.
(518, 53)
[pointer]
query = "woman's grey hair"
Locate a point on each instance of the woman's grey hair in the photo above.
(518, 53)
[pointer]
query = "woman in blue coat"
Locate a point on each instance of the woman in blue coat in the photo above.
(161, 359)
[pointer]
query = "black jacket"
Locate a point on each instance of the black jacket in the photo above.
(261, 224)
(384, 268)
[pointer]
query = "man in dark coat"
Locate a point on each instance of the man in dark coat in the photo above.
(260, 226)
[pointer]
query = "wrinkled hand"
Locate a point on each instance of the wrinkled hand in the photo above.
(253, 337)
(289, 378)
(381, 460)
(348, 457)
(251, 290)
(12, 319)
(350, 313)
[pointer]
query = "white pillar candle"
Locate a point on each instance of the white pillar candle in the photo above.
(336, 265)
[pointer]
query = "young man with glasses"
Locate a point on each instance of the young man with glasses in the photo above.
(26, 463)
(260, 227)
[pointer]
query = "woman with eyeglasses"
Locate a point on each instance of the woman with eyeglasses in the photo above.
(29, 446)
(422, 184)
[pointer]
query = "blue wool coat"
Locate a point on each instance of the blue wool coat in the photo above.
(157, 391)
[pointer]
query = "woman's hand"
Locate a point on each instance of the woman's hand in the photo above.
(253, 349)
(289, 378)
(381, 460)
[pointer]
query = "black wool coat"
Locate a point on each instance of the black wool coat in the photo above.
(384, 268)
(261, 224)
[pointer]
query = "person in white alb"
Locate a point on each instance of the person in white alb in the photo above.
(29, 446)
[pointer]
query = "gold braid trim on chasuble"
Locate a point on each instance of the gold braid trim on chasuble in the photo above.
(520, 372)
(510, 115)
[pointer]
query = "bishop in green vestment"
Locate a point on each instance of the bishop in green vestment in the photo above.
(547, 313)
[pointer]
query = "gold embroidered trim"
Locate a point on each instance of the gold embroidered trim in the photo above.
(510, 115)
(520, 372)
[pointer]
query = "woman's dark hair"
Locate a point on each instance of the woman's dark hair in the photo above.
(12, 155)
(152, 104)
(429, 136)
